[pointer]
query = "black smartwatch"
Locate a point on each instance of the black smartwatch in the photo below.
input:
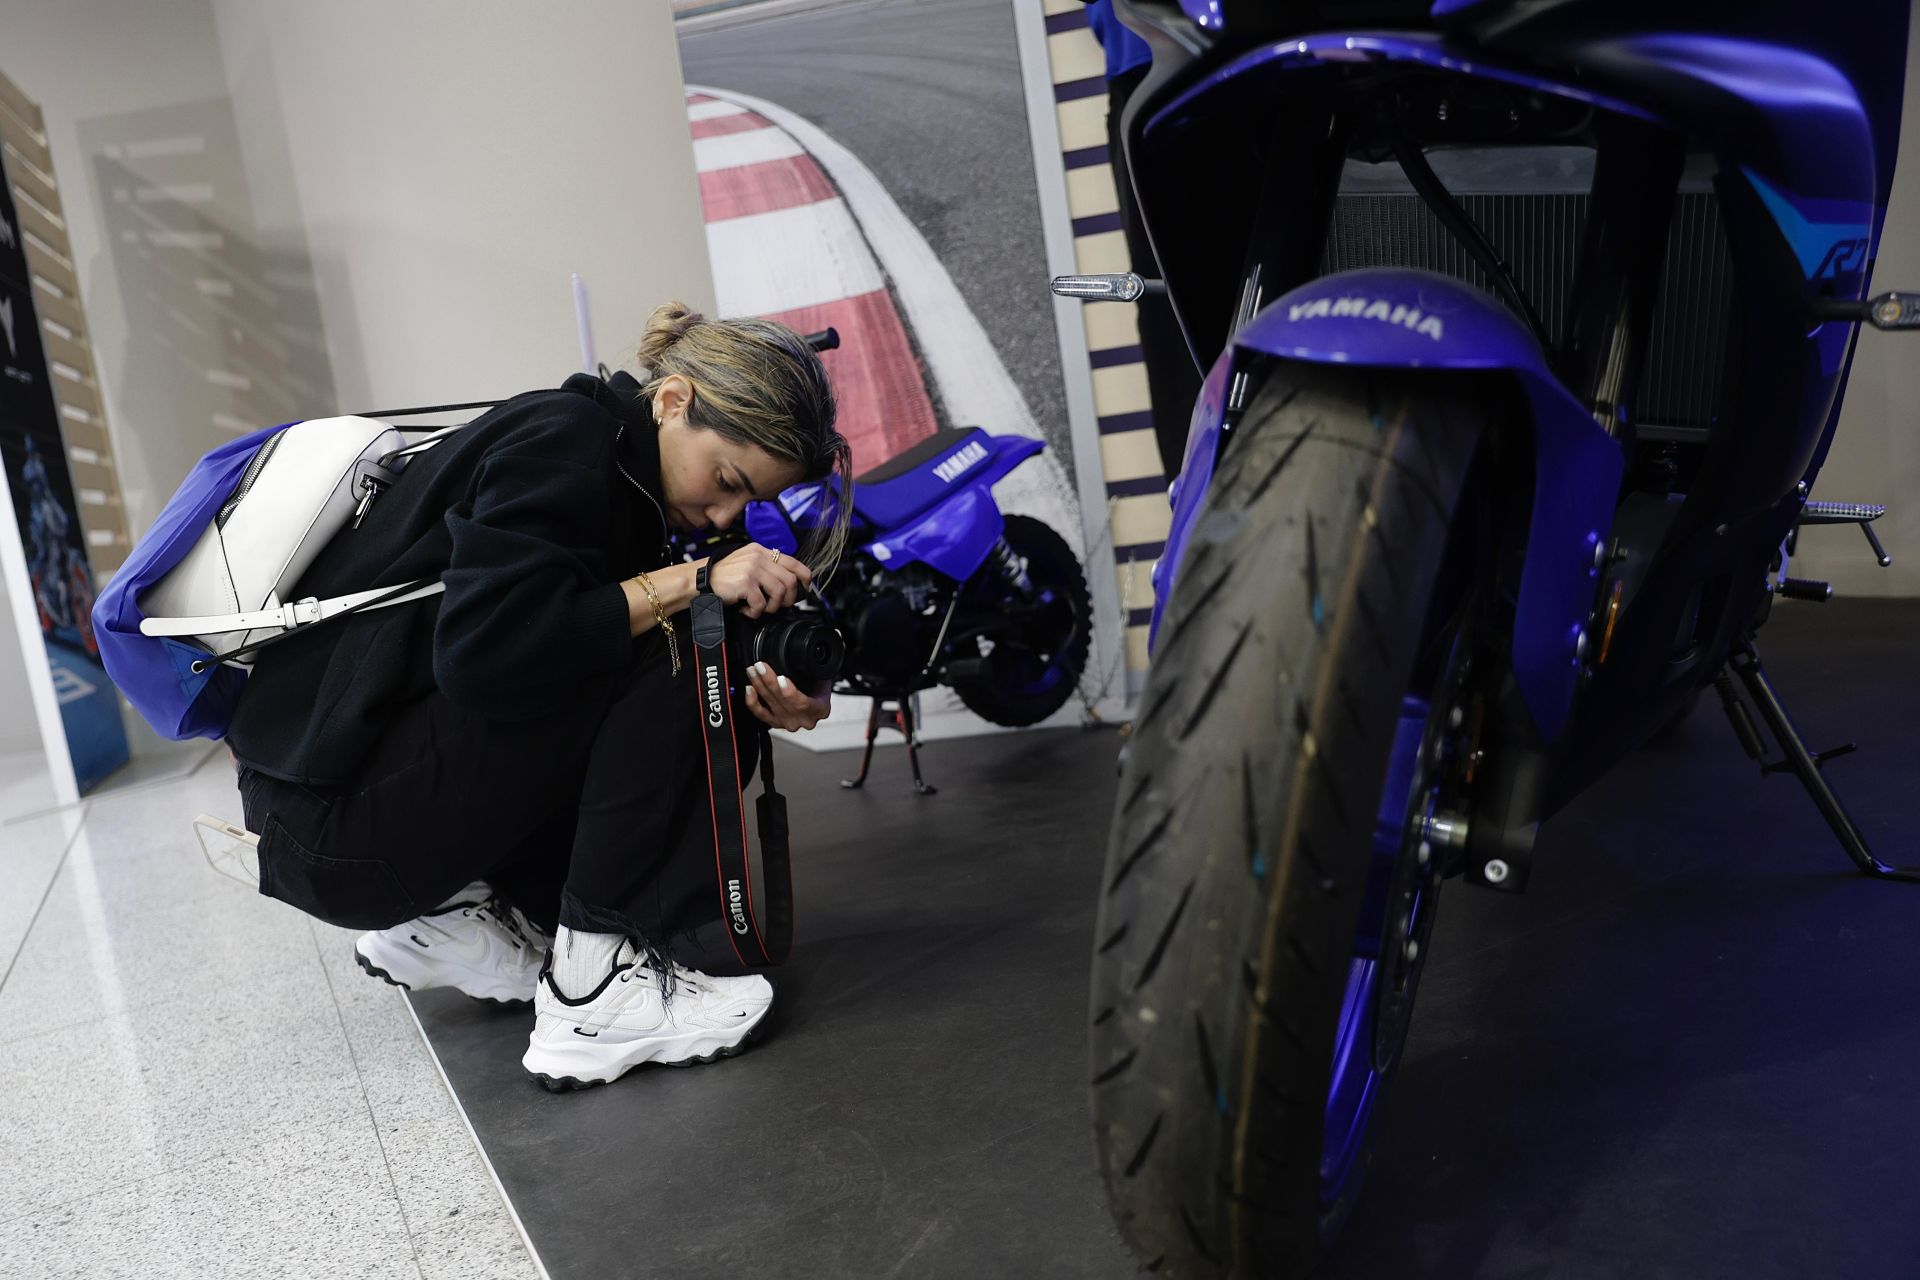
(701, 585)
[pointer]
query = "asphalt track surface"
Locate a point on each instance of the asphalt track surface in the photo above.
(929, 96)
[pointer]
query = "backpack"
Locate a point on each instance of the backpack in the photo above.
(209, 585)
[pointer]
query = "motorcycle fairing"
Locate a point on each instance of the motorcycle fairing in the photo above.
(938, 510)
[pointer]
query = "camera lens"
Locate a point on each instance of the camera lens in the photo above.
(804, 649)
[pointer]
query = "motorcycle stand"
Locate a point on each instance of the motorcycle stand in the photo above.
(1796, 759)
(901, 720)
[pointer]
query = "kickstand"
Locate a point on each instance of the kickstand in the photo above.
(900, 718)
(1805, 765)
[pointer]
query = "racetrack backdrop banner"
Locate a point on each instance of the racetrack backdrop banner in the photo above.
(43, 553)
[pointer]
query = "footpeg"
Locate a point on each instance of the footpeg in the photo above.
(1806, 589)
(1123, 286)
(1860, 513)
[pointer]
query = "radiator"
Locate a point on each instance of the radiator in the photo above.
(1539, 236)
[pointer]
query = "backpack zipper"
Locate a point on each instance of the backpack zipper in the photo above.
(247, 477)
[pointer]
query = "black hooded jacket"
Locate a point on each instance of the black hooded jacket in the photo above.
(532, 516)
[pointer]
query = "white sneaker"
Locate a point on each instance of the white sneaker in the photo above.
(624, 1022)
(476, 943)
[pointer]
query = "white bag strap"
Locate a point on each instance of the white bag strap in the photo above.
(287, 617)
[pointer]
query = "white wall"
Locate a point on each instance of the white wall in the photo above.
(448, 164)
(81, 61)
(381, 205)
(399, 192)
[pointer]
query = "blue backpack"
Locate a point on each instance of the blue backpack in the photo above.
(208, 585)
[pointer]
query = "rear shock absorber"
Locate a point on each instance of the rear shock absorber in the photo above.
(1011, 566)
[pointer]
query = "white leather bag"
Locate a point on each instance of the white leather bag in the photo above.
(304, 486)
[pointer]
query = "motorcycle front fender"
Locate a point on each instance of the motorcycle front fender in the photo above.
(1406, 319)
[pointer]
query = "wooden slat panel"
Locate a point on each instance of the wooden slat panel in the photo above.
(93, 475)
(105, 542)
(26, 142)
(21, 105)
(37, 223)
(59, 310)
(56, 297)
(71, 354)
(58, 272)
(105, 561)
(26, 177)
(80, 396)
(86, 436)
(105, 518)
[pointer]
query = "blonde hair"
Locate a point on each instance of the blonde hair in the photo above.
(757, 382)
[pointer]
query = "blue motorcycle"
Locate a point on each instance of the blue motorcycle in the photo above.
(939, 587)
(1527, 324)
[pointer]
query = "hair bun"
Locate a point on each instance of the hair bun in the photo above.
(665, 327)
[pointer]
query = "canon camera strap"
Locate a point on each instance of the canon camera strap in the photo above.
(758, 944)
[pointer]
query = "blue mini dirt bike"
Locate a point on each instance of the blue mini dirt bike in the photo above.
(938, 587)
(1528, 323)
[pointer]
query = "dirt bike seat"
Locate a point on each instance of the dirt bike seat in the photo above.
(905, 485)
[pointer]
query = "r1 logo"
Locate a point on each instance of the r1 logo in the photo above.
(1844, 257)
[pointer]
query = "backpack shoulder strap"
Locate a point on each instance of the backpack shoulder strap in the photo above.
(292, 615)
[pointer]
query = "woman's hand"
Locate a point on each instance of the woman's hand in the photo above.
(760, 581)
(783, 704)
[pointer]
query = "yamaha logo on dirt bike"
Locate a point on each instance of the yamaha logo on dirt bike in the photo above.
(959, 462)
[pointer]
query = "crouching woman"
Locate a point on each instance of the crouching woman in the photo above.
(513, 769)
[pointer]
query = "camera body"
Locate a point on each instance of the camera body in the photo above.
(800, 643)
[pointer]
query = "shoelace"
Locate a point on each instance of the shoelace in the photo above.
(675, 975)
(667, 981)
(528, 937)
(524, 933)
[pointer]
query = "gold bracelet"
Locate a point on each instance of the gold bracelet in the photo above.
(660, 618)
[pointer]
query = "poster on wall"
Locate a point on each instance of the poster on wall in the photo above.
(49, 582)
(902, 210)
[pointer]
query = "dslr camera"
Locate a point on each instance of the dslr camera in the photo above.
(799, 642)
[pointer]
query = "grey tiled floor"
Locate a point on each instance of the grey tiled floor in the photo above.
(197, 1081)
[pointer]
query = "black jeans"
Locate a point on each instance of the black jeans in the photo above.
(596, 817)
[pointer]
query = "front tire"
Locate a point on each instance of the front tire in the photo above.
(1308, 657)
